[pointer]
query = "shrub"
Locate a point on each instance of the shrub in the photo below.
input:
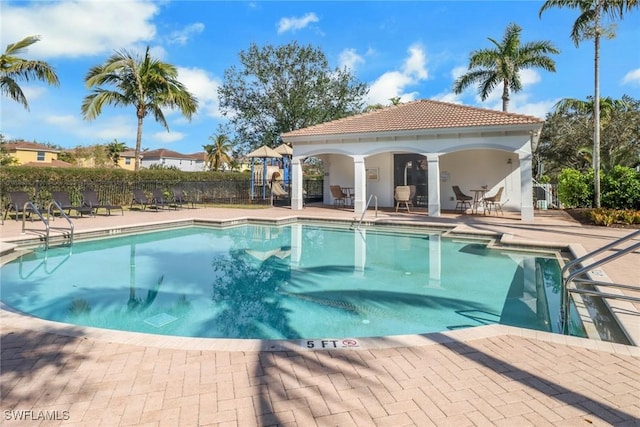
(575, 189)
(621, 188)
(604, 217)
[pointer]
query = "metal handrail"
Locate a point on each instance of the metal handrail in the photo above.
(569, 277)
(373, 196)
(63, 215)
(36, 210)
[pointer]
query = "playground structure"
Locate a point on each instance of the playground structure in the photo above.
(274, 161)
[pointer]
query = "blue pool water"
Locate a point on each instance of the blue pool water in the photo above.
(290, 282)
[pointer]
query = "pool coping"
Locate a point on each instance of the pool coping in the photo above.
(626, 314)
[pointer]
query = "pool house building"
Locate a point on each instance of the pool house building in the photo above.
(431, 145)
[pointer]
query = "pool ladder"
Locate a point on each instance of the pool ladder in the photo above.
(364, 212)
(579, 276)
(45, 221)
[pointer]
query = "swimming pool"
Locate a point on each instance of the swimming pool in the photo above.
(298, 281)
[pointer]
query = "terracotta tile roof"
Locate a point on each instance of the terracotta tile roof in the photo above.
(422, 114)
(163, 153)
(28, 146)
(198, 156)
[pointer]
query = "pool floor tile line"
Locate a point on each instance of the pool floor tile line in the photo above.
(493, 375)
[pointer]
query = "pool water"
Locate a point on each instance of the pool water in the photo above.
(290, 282)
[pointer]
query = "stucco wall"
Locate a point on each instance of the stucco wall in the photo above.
(469, 169)
(25, 156)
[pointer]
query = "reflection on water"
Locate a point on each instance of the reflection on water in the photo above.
(297, 281)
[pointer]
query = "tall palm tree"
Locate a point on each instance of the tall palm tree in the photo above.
(218, 152)
(143, 82)
(588, 25)
(503, 63)
(13, 69)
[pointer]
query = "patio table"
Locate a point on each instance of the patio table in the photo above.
(478, 195)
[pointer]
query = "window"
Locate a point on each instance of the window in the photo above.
(40, 157)
(127, 161)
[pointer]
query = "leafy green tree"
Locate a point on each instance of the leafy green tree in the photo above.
(588, 25)
(142, 82)
(14, 69)
(567, 137)
(6, 158)
(280, 89)
(218, 152)
(502, 64)
(114, 149)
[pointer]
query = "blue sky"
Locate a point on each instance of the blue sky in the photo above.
(414, 50)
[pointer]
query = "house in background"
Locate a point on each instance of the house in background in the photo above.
(127, 160)
(34, 154)
(167, 158)
(431, 145)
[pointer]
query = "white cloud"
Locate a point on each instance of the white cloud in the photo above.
(632, 77)
(75, 28)
(350, 59)
(165, 138)
(63, 121)
(416, 64)
(394, 83)
(295, 24)
(182, 36)
(204, 87)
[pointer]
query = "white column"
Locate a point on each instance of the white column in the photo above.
(296, 184)
(359, 184)
(526, 187)
(434, 183)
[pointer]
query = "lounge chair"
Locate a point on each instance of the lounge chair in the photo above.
(403, 195)
(19, 202)
(339, 196)
(180, 197)
(462, 200)
(159, 200)
(64, 202)
(494, 201)
(140, 198)
(90, 199)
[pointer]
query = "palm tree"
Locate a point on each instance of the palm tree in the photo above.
(588, 26)
(114, 149)
(218, 152)
(13, 68)
(145, 83)
(503, 63)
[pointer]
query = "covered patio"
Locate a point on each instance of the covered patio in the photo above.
(431, 145)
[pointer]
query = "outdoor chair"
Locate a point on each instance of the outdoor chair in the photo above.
(402, 195)
(140, 198)
(180, 197)
(339, 196)
(64, 202)
(462, 200)
(19, 202)
(494, 201)
(159, 200)
(90, 199)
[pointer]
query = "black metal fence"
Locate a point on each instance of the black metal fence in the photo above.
(121, 193)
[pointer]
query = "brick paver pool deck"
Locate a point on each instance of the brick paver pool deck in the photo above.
(491, 375)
